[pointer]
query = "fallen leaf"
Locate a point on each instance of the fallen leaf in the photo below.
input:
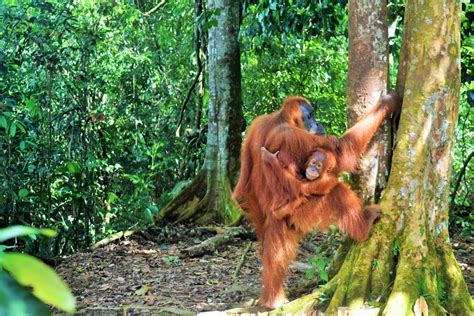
(421, 307)
(144, 290)
(104, 287)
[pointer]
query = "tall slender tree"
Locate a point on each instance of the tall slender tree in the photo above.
(208, 197)
(366, 82)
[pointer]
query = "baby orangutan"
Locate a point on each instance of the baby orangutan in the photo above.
(320, 177)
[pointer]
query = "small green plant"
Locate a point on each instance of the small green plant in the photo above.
(396, 248)
(171, 259)
(424, 288)
(441, 292)
(375, 263)
(319, 262)
(26, 283)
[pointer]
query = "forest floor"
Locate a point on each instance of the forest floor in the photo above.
(138, 274)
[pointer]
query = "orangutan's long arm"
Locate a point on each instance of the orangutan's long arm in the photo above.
(354, 142)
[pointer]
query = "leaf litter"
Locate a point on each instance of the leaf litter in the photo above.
(138, 272)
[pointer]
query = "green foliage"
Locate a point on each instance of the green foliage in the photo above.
(91, 94)
(286, 19)
(288, 63)
(171, 259)
(17, 300)
(320, 263)
(462, 196)
(88, 102)
(441, 292)
(30, 272)
(18, 231)
(45, 283)
(396, 248)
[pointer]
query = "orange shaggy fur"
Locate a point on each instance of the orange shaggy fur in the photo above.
(260, 192)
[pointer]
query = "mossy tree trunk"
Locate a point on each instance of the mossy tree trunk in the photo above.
(367, 81)
(408, 263)
(208, 197)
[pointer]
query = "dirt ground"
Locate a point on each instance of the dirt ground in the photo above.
(136, 273)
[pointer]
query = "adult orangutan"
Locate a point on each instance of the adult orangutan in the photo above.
(291, 131)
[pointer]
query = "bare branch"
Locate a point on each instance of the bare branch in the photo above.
(461, 174)
(159, 5)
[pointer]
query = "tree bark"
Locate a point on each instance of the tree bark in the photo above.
(408, 259)
(367, 81)
(208, 197)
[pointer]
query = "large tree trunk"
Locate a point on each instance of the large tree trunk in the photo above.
(366, 82)
(408, 261)
(208, 197)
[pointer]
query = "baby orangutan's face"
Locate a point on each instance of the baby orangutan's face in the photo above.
(315, 165)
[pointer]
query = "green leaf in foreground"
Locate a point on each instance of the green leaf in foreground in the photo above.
(46, 284)
(17, 300)
(18, 230)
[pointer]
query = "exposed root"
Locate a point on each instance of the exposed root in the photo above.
(307, 303)
(458, 299)
(342, 282)
(354, 278)
(113, 238)
(241, 261)
(201, 205)
(357, 290)
(185, 205)
(340, 256)
(383, 264)
(302, 289)
(211, 244)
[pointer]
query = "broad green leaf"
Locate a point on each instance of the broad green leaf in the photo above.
(17, 300)
(20, 126)
(31, 168)
(149, 216)
(324, 276)
(320, 264)
(206, 97)
(112, 197)
(13, 129)
(73, 167)
(209, 24)
(46, 284)
(18, 230)
(3, 122)
(310, 273)
(32, 107)
(23, 193)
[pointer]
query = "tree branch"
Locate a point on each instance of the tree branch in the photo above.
(188, 97)
(198, 34)
(211, 244)
(241, 261)
(461, 174)
(159, 5)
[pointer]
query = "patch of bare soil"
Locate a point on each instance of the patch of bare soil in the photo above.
(138, 274)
